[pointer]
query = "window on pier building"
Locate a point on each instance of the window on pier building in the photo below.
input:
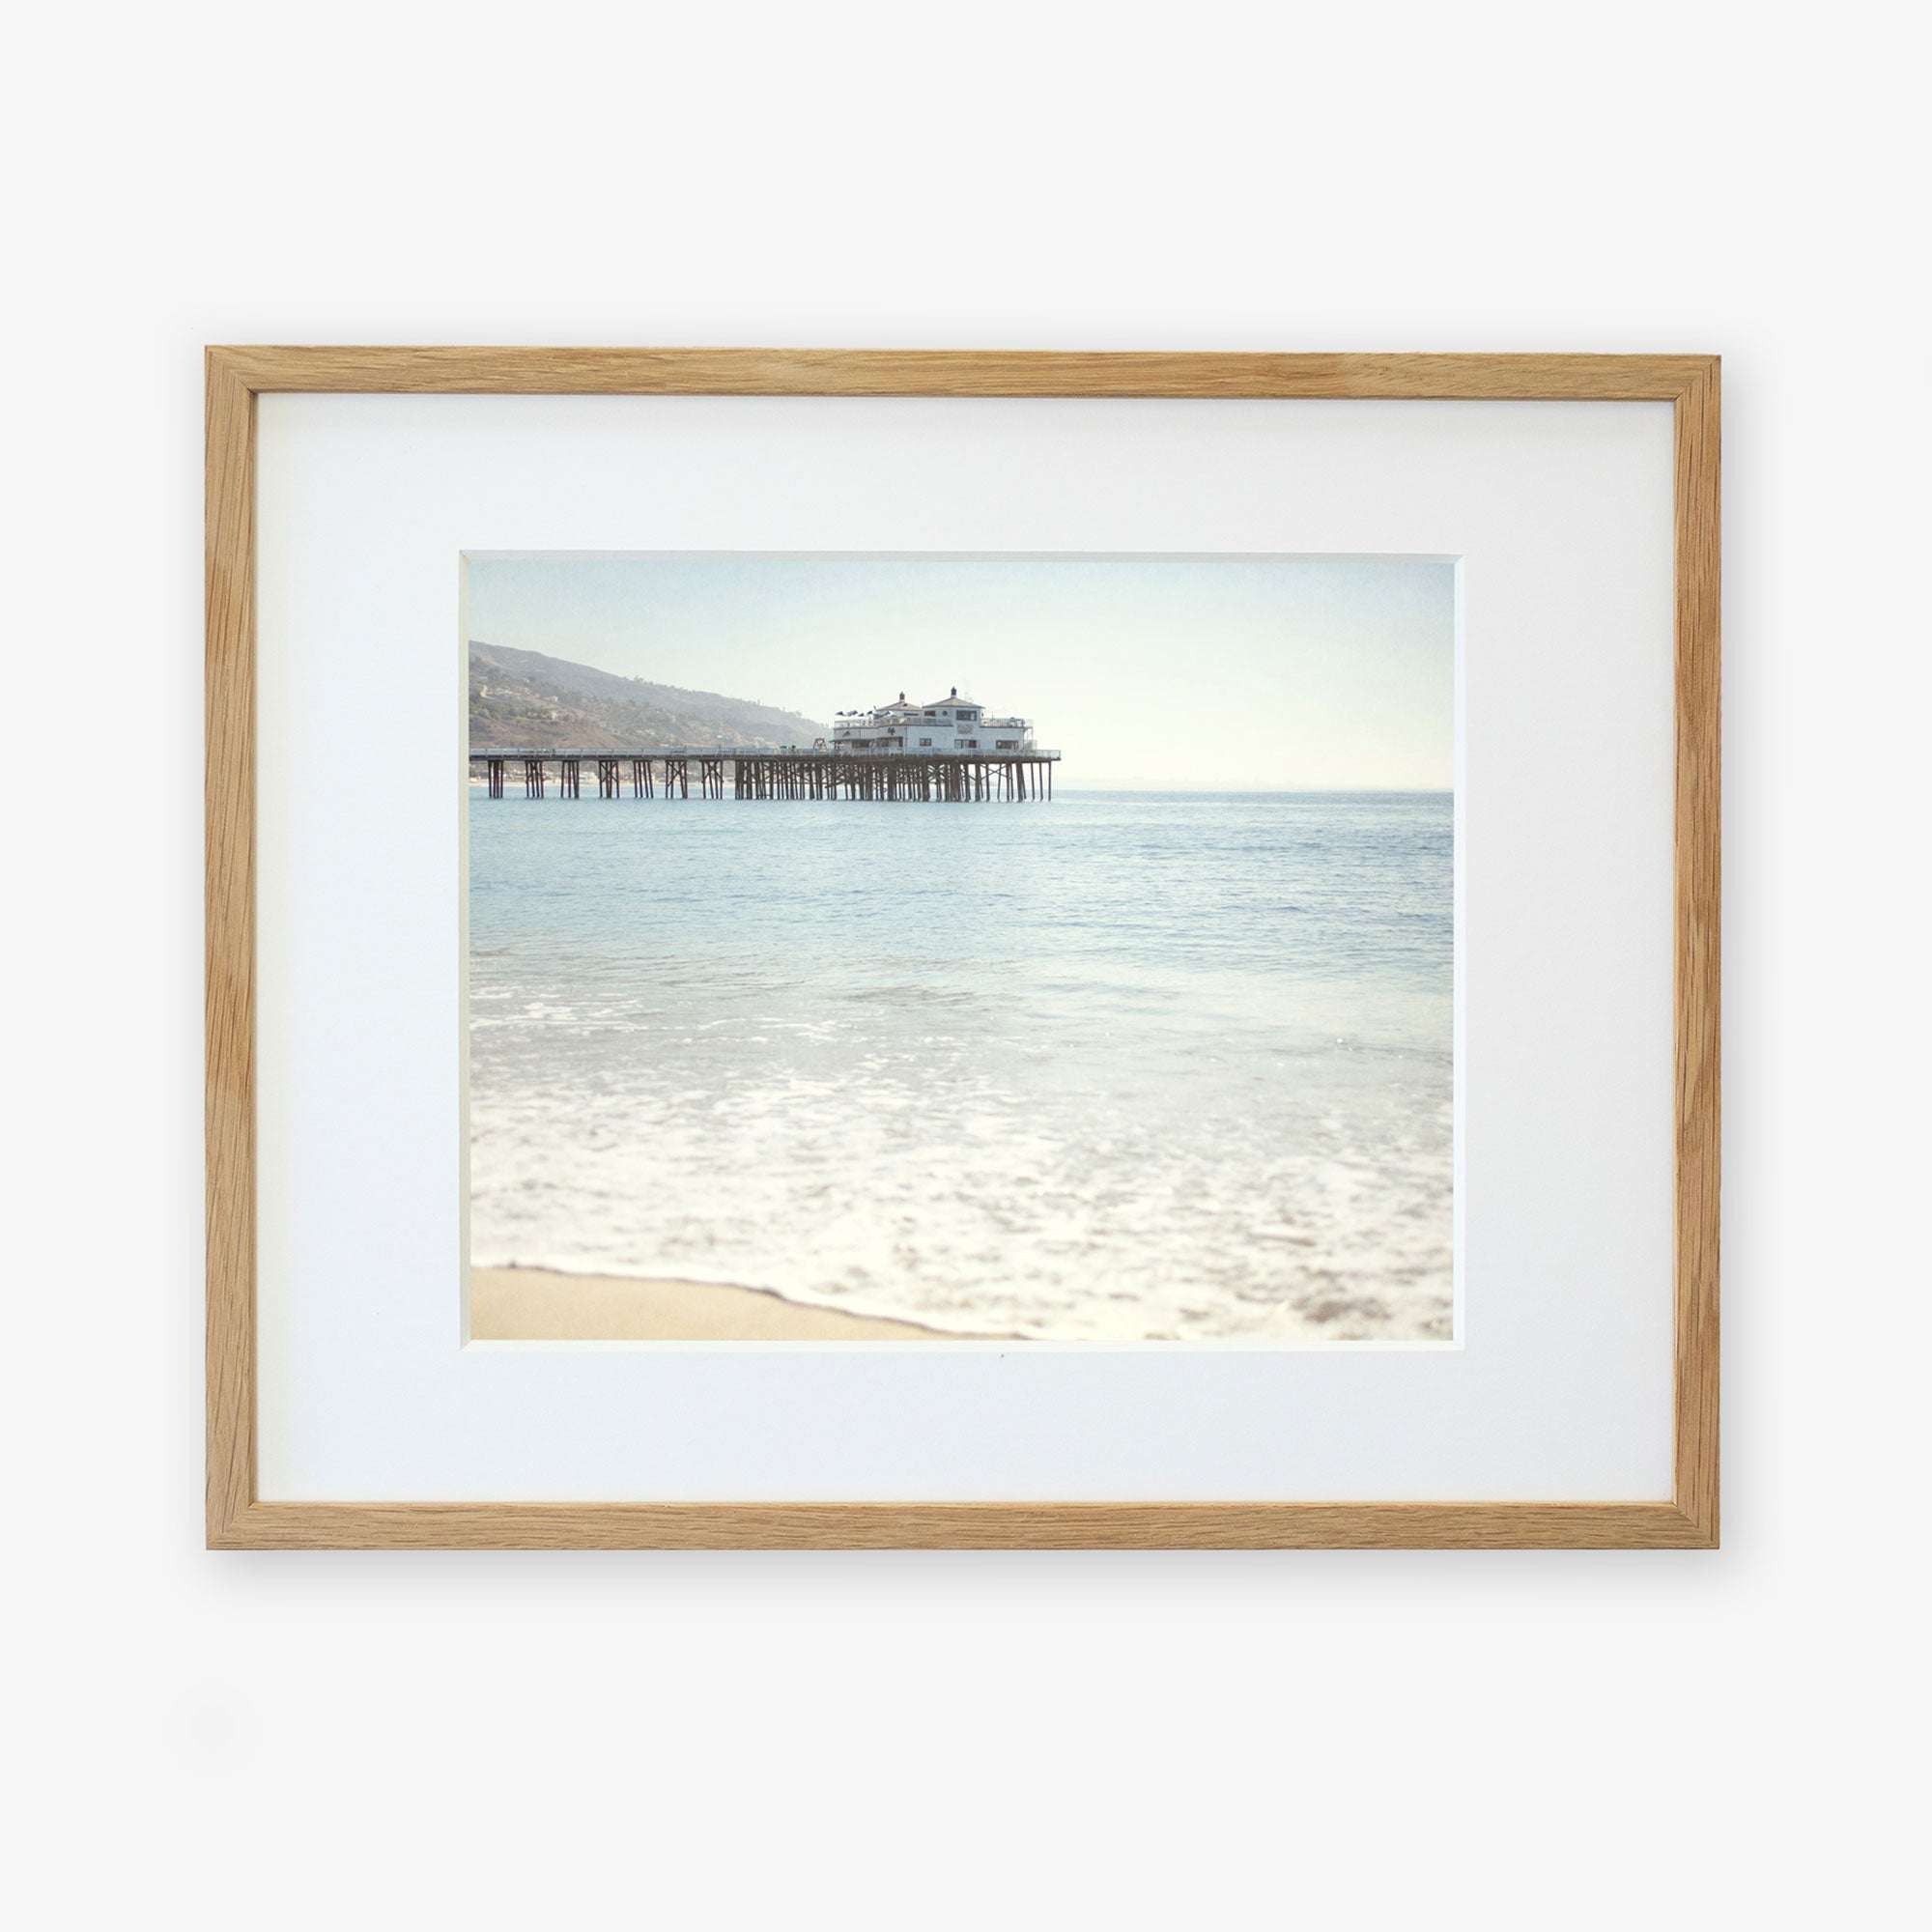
(925, 741)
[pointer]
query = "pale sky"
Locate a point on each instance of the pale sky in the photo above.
(1233, 673)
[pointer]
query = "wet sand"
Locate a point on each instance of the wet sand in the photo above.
(521, 1304)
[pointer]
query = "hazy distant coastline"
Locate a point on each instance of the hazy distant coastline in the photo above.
(527, 700)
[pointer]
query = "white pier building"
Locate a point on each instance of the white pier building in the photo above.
(949, 725)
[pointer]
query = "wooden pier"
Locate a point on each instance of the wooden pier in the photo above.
(677, 771)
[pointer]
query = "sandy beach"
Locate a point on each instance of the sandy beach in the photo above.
(523, 1304)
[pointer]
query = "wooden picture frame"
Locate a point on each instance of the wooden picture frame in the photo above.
(237, 1519)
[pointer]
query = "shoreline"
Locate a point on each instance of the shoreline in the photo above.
(539, 1304)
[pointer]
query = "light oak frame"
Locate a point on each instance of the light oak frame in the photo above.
(236, 1515)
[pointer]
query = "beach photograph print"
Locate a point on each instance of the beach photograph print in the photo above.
(961, 949)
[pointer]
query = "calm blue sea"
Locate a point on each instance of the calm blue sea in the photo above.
(1127, 1066)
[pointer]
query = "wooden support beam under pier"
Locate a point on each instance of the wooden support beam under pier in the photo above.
(935, 778)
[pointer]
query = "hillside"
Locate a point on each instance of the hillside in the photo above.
(525, 699)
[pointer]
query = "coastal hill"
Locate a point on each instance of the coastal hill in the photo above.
(527, 700)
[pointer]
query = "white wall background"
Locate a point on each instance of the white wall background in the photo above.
(934, 1740)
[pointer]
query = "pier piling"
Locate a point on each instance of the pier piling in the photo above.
(869, 778)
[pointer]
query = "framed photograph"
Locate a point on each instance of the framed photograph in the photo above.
(858, 948)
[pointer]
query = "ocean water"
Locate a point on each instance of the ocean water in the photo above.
(1124, 1066)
